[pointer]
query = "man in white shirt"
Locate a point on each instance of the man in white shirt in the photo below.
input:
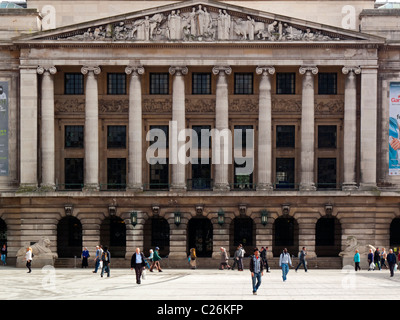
(284, 261)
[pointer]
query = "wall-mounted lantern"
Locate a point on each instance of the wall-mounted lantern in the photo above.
(134, 218)
(221, 217)
(264, 217)
(177, 218)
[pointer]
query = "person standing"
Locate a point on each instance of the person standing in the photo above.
(106, 259)
(28, 258)
(370, 260)
(97, 259)
(266, 260)
(192, 257)
(236, 258)
(284, 262)
(224, 259)
(357, 260)
(85, 256)
(256, 269)
(156, 260)
(302, 259)
(377, 258)
(241, 256)
(138, 263)
(383, 258)
(4, 254)
(391, 259)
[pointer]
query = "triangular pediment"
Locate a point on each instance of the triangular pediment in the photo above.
(200, 21)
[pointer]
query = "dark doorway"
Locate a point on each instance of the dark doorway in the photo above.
(156, 234)
(327, 237)
(113, 236)
(69, 237)
(3, 233)
(395, 234)
(242, 232)
(286, 235)
(200, 232)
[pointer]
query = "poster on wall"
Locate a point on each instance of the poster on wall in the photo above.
(394, 129)
(3, 128)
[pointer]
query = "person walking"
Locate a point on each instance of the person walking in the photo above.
(106, 259)
(156, 260)
(192, 258)
(97, 259)
(266, 260)
(284, 262)
(357, 260)
(256, 269)
(383, 258)
(302, 259)
(241, 257)
(28, 258)
(85, 257)
(236, 258)
(224, 261)
(377, 258)
(371, 265)
(391, 259)
(138, 263)
(4, 254)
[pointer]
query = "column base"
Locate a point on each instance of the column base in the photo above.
(90, 187)
(307, 187)
(221, 187)
(368, 186)
(264, 187)
(348, 186)
(27, 187)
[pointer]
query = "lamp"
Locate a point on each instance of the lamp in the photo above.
(177, 218)
(264, 217)
(221, 217)
(134, 218)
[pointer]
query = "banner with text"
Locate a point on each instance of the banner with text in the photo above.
(3, 128)
(394, 129)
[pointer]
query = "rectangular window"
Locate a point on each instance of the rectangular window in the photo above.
(116, 173)
(201, 83)
(285, 173)
(285, 136)
(285, 83)
(243, 174)
(159, 134)
(243, 136)
(327, 137)
(159, 83)
(326, 173)
(116, 83)
(243, 83)
(203, 136)
(327, 83)
(73, 169)
(159, 176)
(201, 174)
(73, 83)
(116, 137)
(74, 136)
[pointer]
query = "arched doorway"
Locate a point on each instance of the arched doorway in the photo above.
(113, 236)
(3, 232)
(395, 234)
(328, 233)
(200, 236)
(242, 231)
(156, 234)
(286, 235)
(69, 237)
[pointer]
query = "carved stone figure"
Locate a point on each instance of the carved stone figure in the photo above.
(42, 255)
(352, 245)
(174, 31)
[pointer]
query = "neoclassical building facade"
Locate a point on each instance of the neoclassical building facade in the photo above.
(92, 111)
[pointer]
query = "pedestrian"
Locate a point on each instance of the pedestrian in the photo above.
(156, 260)
(4, 254)
(224, 261)
(106, 259)
(371, 265)
(357, 260)
(85, 257)
(138, 263)
(284, 262)
(192, 258)
(266, 260)
(391, 259)
(377, 258)
(28, 258)
(241, 257)
(383, 258)
(302, 259)
(97, 259)
(256, 269)
(236, 258)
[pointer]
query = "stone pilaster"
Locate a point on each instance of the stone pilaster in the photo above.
(135, 179)
(307, 233)
(221, 181)
(307, 128)
(91, 174)
(264, 173)
(350, 128)
(178, 182)
(47, 127)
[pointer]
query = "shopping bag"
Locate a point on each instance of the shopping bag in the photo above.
(395, 267)
(372, 266)
(101, 264)
(144, 274)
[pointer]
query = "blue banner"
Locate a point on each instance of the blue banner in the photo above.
(394, 129)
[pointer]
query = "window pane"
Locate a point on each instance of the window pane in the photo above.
(203, 136)
(201, 174)
(159, 176)
(116, 83)
(284, 173)
(116, 137)
(201, 83)
(158, 132)
(73, 83)
(285, 136)
(327, 136)
(327, 83)
(244, 168)
(116, 173)
(285, 83)
(159, 83)
(74, 136)
(327, 173)
(243, 83)
(73, 173)
(245, 134)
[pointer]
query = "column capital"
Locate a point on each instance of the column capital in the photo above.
(134, 70)
(178, 70)
(312, 69)
(348, 69)
(87, 69)
(42, 70)
(217, 69)
(265, 70)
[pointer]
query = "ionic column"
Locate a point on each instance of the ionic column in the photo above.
(178, 122)
(350, 128)
(135, 181)
(307, 128)
(47, 127)
(91, 179)
(221, 124)
(368, 127)
(28, 127)
(264, 173)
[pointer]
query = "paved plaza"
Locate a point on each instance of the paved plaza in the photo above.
(183, 284)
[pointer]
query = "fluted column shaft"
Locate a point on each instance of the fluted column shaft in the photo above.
(264, 173)
(135, 179)
(307, 128)
(91, 174)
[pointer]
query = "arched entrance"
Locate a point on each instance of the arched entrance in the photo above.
(156, 234)
(69, 237)
(3, 232)
(395, 234)
(328, 233)
(113, 236)
(200, 236)
(286, 235)
(242, 232)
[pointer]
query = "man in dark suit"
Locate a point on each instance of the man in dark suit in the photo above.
(138, 263)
